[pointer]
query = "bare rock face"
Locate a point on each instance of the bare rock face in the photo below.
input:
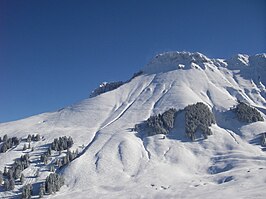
(105, 87)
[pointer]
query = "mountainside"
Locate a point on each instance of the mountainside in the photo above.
(117, 160)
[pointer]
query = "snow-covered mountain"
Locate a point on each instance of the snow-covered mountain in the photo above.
(115, 161)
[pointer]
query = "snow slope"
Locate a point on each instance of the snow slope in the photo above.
(117, 162)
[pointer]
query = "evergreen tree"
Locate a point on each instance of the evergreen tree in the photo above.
(49, 151)
(29, 138)
(15, 141)
(69, 155)
(1, 178)
(246, 113)
(158, 124)
(5, 138)
(9, 143)
(11, 183)
(23, 162)
(44, 158)
(53, 183)
(24, 147)
(5, 171)
(41, 191)
(6, 184)
(62, 143)
(198, 117)
(52, 169)
(22, 179)
(65, 160)
(69, 142)
(37, 137)
(27, 191)
(59, 162)
(10, 173)
(263, 139)
(4, 148)
(17, 171)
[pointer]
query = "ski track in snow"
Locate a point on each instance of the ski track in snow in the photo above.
(231, 134)
(96, 135)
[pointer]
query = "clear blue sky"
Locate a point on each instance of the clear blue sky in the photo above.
(53, 53)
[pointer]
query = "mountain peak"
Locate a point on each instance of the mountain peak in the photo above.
(239, 60)
(159, 133)
(173, 60)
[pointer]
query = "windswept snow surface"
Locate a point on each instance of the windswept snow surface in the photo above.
(117, 162)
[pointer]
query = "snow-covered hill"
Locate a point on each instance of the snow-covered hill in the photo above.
(115, 161)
